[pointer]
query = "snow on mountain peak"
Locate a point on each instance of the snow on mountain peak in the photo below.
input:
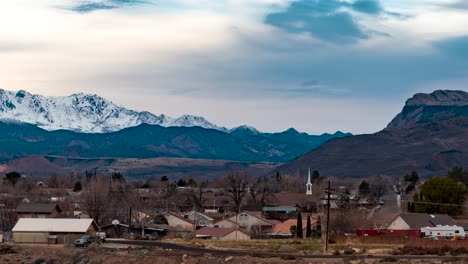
(83, 112)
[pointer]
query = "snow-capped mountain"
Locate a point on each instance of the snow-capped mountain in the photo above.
(84, 113)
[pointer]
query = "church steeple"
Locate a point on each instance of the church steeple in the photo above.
(309, 185)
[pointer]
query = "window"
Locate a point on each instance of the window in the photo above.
(243, 217)
(457, 231)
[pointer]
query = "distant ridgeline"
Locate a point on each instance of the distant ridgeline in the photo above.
(429, 136)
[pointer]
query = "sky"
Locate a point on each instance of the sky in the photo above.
(315, 65)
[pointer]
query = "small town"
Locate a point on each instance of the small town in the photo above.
(233, 131)
(287, 217)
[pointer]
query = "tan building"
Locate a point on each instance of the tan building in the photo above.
(52, 230)
(251, 221)
(220, 233)
(37, 210)
(175, 220)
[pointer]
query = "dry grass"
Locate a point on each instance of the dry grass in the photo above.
(306, 246)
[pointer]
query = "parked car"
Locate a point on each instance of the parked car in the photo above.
(84, 241)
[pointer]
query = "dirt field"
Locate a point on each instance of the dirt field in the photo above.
(110, 253)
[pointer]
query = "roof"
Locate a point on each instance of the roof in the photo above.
(217, 231)
(58, 225)
(37, 208)
(290, 199)
(188, 220)
(279, 209)
(464, 225)
(418, 220)
(258, 215)
(285, 226)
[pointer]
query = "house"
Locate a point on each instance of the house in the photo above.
(284, 229)
(251, 221)
(279, 212)
(38, 210)
(176, 220)
(416, 221)
(221, 233)
(200, 219)
(52, 230)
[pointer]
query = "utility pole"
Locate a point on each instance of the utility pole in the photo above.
(130, 222)
(328, 218)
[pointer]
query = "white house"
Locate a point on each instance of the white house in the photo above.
(52, 230)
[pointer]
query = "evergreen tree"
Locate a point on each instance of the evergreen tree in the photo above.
(318, 229)
(299, 226)
(458, 174)
(441, 196)
(13, 177)
(364, 188)
(77, 187)
(413, 177)
(308, 228)
(181, 183)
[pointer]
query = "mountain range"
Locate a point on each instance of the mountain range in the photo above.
(429, 136)
(83, 113)
(81, 132)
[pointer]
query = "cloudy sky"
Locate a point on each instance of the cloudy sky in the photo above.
(316, 65)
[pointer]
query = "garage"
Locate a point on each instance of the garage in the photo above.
(52, 230)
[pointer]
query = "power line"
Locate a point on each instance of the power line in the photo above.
(447, 204)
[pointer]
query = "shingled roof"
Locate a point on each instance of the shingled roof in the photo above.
(418, 220)
(37, 208)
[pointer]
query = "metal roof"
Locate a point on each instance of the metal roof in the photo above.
(53, 225)
(279, 209)
(37, 208)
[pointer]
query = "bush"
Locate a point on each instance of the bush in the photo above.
(388, 259)
(7, 249)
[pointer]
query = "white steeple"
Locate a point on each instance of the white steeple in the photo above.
(309, 185)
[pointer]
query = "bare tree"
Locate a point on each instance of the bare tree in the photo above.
(236, 187)
(261, 192)
(195, 195)
(95, 199)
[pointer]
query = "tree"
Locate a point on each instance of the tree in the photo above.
(164, 179)
(458, 175)
(441, 196)
(364, 188)
(260, 192)
(379, 186)
(299, 226)
(13, 177)
(308, 228)
(293, 230)
(278, 177)
(181, 183)
(77, 187)
(235, 186)
(316, 176)
(412, 177)
(95, 199)
(318, 228)
(195, 196)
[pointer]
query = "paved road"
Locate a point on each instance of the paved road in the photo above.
(184, 248)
